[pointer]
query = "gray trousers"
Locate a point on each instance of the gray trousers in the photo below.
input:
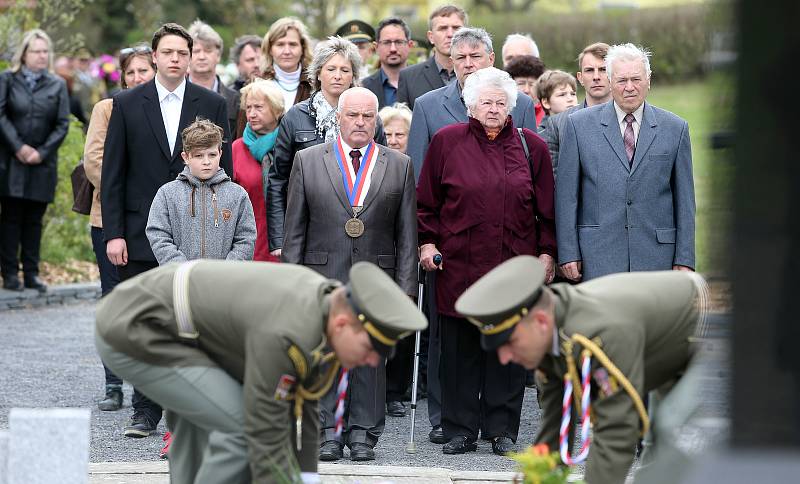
(365, 407)
(205, 413)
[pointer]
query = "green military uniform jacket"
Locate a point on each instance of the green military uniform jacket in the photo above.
(248, 317)
(643, 323)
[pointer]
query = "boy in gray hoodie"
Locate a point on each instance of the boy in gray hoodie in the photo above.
(202, 214)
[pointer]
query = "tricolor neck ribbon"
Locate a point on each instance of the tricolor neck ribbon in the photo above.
(355, 184)
(341, 394)
(566, 412)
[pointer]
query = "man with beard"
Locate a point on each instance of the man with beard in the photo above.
(393, 45)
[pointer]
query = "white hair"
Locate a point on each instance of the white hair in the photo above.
(525, 38)
(627, 52)
(489, 78)
(355, 90)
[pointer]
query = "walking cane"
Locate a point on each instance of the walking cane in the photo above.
(411, 448)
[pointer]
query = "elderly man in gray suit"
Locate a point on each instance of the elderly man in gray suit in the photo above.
(625, 190)
(471, 50)
(353, 200)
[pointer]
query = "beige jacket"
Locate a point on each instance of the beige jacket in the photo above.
(93, 154)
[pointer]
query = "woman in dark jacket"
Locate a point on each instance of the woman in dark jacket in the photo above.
(333, 70)
(34, 119)
(481, 201)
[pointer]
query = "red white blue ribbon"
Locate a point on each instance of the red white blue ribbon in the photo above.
(356, 185)
(566, 414)
(341, 393)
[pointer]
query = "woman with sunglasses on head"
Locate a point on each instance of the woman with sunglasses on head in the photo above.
(137, 68)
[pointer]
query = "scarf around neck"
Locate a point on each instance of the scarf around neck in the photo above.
(287, 80)
(31, 77)
(259, 145)
(325, 117)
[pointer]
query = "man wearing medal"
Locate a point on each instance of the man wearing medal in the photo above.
(353, 200)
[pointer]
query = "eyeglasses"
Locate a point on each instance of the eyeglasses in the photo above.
(389, 43)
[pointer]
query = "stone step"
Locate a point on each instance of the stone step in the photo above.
(157, 473)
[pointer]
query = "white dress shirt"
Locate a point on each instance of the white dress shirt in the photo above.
(636, 124)
(171, 104)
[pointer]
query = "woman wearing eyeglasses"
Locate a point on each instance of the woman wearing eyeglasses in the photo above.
(34, 119)
(137, 68)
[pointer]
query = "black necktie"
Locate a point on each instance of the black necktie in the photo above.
(355, 155)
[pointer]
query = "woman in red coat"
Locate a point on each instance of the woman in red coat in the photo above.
(481, 201)
(262, 102)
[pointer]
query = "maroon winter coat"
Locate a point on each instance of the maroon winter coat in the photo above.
(476, 202)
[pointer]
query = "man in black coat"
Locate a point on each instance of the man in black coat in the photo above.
(437, 71)
(393, 40)
(141, 153)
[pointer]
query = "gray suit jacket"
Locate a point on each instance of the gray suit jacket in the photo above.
(550, 131)
(443, 107)
(618, 219)
(416, 80)
(317, 209)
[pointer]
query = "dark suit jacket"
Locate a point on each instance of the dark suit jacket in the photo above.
(416, 80)
(297, 131)
(137, 161)
(317, 210)
(374, 84)
(232, 102)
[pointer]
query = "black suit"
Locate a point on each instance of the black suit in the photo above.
(232, 99)
(418, 79)
(374, 84)
(136, 162)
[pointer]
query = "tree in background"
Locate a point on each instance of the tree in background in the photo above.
(53, 16)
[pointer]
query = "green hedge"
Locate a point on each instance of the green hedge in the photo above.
(679, 37)
(66, 233)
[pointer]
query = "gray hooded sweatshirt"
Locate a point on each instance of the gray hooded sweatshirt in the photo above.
(194, 219)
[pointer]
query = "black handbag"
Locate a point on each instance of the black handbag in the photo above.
(82, 190)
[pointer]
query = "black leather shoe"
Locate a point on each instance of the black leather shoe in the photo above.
(33, 282)
(395, 409)
(436, 435)
(502, 445)
(113, 399)
(330, 451)
(460, 445)
(361, 452)
(12, 283)
(141, 426)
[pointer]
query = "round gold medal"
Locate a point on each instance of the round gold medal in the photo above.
(354, 228)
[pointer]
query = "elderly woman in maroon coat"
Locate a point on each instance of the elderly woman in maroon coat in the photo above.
(481, 201)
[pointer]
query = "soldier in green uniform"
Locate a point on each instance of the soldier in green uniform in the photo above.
(238, 354)
(636, 329)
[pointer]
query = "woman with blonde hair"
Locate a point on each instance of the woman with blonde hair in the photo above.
(396, 121)
(34, 119)
(285, 55)
(263, 104)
